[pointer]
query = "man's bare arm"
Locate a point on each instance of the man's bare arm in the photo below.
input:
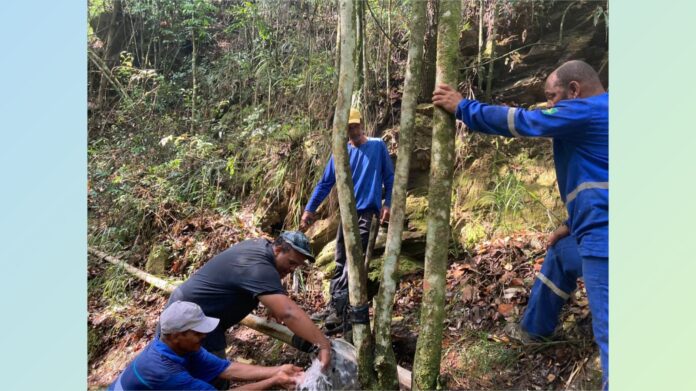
(297, 320)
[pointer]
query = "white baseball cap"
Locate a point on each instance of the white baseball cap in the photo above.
(183, 315)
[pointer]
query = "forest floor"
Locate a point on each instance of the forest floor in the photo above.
(485, 290)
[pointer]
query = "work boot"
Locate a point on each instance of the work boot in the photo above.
(322, 315)
(333, 319)
(515, 332)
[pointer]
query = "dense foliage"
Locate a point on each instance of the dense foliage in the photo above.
(217, 107)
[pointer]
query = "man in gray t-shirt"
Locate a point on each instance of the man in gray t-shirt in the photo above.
(232, 283)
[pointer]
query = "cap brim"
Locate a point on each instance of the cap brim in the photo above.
(353, 121)
(309, 256)
(206, 326)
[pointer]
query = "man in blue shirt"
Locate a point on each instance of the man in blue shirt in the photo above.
(176, 361)
(577, 119)
(373, 178)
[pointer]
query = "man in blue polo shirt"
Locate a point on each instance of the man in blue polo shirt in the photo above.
(577, 119)
(373, 178)
(176, 361)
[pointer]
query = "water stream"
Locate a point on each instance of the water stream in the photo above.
(343, 374)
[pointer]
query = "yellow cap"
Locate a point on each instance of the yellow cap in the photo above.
(354, 117)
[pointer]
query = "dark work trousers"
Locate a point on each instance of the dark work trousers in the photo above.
(339, 283)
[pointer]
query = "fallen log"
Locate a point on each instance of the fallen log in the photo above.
(253, 322)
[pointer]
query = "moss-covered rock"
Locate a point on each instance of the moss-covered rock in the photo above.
(326, 255)
(472, 233)
(158, 259)
(322, 232)
(325, 263)
(417, 213)
(407, 266)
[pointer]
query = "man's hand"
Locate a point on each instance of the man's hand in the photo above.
(289, 369)
(285, 381)
(446, 98)
(560, 233)
(307, 220)
(384, 216)
(325, 357)
(299, 323)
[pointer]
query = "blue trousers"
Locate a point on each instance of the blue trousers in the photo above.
(596, 272)
(552, 288)
(554, 285)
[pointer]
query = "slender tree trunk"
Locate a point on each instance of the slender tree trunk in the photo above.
(387, 63)
(385, 361)
(193, 75)
(357, 278)
(337, 61)
(114, 40)
(490, 49)
(429, 54)
(358, 100)
(368, 113)
(359, 37)
(479, 67)
(429, 347)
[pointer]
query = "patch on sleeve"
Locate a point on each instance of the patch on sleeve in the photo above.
(550, 111)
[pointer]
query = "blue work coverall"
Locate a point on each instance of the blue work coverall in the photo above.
(553, 286)
(580, 132)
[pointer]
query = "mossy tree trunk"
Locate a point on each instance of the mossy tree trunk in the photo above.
(357, 280)
(429, 54)
(426, 366)
(385, 361)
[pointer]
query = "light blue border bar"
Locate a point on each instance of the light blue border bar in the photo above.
(43, 138)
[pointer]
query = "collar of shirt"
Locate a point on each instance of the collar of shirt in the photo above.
(165, 350)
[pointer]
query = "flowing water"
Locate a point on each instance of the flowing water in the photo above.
(343, 374)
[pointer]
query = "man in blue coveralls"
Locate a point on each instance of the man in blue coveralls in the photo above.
(371, 169)
(177, 361)
(577, 119)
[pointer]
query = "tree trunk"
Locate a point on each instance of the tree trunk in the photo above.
(337, 61)
(357, 283)
(368, 113)
(385, 361)
(359, 98)
(390, 109)
(429, 346)
(490, 49)
(114, 41)
(429, 54)
(359, 47)
(479, 67)
(193, 75)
